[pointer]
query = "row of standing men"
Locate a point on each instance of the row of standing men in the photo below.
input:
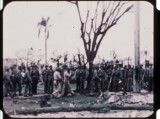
(57, 82)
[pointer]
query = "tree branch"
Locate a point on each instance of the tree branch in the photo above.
(116, 19)
(86, 21)
(103, 34)
(109, 17)
(95, 15)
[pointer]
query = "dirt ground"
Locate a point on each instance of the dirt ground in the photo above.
(133, 99)
(89, 114)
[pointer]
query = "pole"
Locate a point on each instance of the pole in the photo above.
(137, 35)
(45, 50)
(136, 44)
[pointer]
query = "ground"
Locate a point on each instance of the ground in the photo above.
(112, 113)
(19, 105)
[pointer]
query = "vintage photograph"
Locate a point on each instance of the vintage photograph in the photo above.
(78, 59)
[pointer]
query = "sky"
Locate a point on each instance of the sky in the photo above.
(20, 31)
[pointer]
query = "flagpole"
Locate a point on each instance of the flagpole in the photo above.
(136, 44)
(45, 49)
(137, 34)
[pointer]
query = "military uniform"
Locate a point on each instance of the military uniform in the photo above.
(80, 79)
(120, 78)
(125, 79)
(50, 73)
(150, 88)
(16, 79)
(28, 84)
(35, 78)
(101, 76)
(130, 80)
(95, 80)
(7, 83)
(115, 81)
(138, 78)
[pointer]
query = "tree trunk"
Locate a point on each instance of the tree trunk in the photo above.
(89, 78)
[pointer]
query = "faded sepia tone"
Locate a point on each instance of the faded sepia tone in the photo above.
(78, 59)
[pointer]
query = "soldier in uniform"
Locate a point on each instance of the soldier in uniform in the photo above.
(35, 78)
(125, 79)
(23, 72)
(147, 76)
(130, 79)
(50, 80)
(83, 77)
(77, 73)
(120, 77)
(45, 79)
(28, 83)
(115, 80)
(7, 83)
(16, 80)
(138, 78)
(95, 78)
(101, 76)
(150, 88)
(80, 79)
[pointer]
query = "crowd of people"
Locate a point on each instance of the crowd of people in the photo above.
(58, 81)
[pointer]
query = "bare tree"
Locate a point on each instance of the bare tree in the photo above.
(96, 23)
(80, 60)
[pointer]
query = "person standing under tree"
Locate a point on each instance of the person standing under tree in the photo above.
(101, 76)
(66, 89)
(81, 76)
(28, 83)
(95, 78)
(35, 78)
